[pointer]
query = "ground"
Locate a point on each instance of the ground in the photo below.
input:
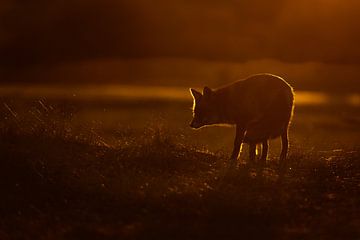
(135, 170)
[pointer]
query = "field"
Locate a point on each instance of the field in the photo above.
(135, 170)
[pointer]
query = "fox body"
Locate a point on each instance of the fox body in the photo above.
(261, 107)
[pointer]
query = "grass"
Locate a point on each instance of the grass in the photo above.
(61, 182)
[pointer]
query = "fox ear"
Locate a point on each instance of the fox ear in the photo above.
(195, 94)
(207, 92)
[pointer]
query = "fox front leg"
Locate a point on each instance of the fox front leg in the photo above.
(239, 137)
(252, 152)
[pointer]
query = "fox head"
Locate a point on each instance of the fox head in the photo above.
(204, 108)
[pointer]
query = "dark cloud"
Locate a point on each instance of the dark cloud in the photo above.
(291, 31)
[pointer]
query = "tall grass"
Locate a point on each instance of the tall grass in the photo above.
(59, 182)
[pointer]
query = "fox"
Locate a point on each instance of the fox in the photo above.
(260, 106)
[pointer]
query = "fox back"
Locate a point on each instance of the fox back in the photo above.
(262, 103)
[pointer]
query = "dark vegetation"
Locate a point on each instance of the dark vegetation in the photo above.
(62, 182)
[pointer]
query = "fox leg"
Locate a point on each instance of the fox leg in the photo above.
(252, 152)
(264, 152)
(284, 147)
(239, 137)
(258, 149)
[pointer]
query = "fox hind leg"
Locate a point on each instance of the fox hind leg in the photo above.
(284, 147)
(264, 152)
(258, 150)
(252, 152)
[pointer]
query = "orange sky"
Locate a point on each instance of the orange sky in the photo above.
(52, 32)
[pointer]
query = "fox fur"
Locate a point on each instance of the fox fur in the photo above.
(261, 106)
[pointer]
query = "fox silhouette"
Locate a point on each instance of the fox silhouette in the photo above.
(260, 106)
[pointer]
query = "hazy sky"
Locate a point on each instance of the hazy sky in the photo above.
(43, 31)
(296, 31)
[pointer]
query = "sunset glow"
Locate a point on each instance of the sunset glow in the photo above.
(129, 92)
(182, 119)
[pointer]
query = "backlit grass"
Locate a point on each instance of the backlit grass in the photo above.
(61, 182)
